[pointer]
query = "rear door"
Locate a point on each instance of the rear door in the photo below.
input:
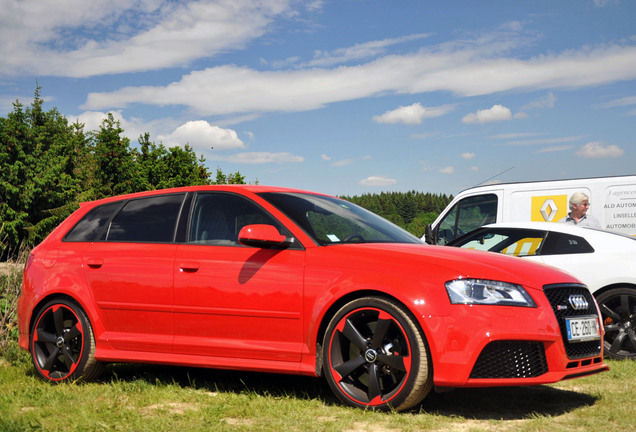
(129, 272)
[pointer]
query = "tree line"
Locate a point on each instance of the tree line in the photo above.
(48, 166)
(409, 210)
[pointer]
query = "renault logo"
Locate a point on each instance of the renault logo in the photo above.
(549, 210)
(578, 302)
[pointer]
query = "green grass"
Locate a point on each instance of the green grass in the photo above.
(158, 398)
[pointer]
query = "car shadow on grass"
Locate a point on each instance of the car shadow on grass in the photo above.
(506, 403)
(224, 381)
(494, 403)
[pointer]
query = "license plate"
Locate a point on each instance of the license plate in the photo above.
(582, 329)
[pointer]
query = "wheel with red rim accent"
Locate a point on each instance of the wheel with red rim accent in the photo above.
(375, 356)
(62, 343)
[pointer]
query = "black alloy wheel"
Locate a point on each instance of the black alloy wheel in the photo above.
(375, 356)
(618, 311)
(62, 343)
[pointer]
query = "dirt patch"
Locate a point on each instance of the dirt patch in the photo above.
(172, 408)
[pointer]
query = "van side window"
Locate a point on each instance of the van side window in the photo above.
(93, 225)
(217, 219)
(151, 219)
(467, 215)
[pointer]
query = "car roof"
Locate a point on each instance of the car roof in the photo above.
(560, 227)
(203, 188)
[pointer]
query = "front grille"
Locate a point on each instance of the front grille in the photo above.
(511, 359)
(558, 296)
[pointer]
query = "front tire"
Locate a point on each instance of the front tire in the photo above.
(375, 356)
(62, 343)
(618, 310)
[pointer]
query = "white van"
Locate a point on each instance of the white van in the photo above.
(612, 202)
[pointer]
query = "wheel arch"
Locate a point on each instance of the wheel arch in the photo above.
(50, 297)
(604, 289)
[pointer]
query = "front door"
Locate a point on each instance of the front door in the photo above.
(233, 300)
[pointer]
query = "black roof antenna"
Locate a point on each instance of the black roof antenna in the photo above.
(496, 175)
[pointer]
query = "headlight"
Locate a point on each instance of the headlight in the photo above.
(487, 292)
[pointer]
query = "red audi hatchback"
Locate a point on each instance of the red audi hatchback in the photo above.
(280, 280)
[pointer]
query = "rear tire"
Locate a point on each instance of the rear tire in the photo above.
(618, 311)
(62, 343)
(375, 356)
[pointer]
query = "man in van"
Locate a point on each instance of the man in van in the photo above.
(579, 205)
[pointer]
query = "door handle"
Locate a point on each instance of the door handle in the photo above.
(189, 267)
(95, 262)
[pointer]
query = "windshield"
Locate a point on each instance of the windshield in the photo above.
(330, 220)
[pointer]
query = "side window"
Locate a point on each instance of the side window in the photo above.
(527, 246)
(217, 218)
(517, 243)
(92, 226)
(467, 215)
(560, 243)
(151, 219)
(487, 242)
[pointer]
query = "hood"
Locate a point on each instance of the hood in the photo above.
(454, 263)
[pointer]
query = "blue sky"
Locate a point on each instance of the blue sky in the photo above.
(344, 97)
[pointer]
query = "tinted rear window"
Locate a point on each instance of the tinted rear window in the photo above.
(561, 243)
(151, 219)
(93, 225)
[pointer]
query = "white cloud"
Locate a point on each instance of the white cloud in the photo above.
(342, 162)
(508, 136)
(496, 113)
(412, 114)
(358, 51)
(447, 170)
(598, 150)
(545, 141)
(467, 155)
(603, 3)
(133, 35)
(346, 162)
(258, 158)
(123, 36)
(378, 181)
(132, 127)
(465, 69)
(555, 149)
(546, 101)
(202, 136)
(424, 135)
(626, 101)
(326, 158)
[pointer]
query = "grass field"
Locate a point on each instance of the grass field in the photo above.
(159, 398)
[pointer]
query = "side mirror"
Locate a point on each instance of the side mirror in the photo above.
(260, 235)
(430, 236)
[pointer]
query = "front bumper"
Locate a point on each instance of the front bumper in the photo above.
(479, 346)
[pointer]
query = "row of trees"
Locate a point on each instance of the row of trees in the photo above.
(409, 210)
(48, 166)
